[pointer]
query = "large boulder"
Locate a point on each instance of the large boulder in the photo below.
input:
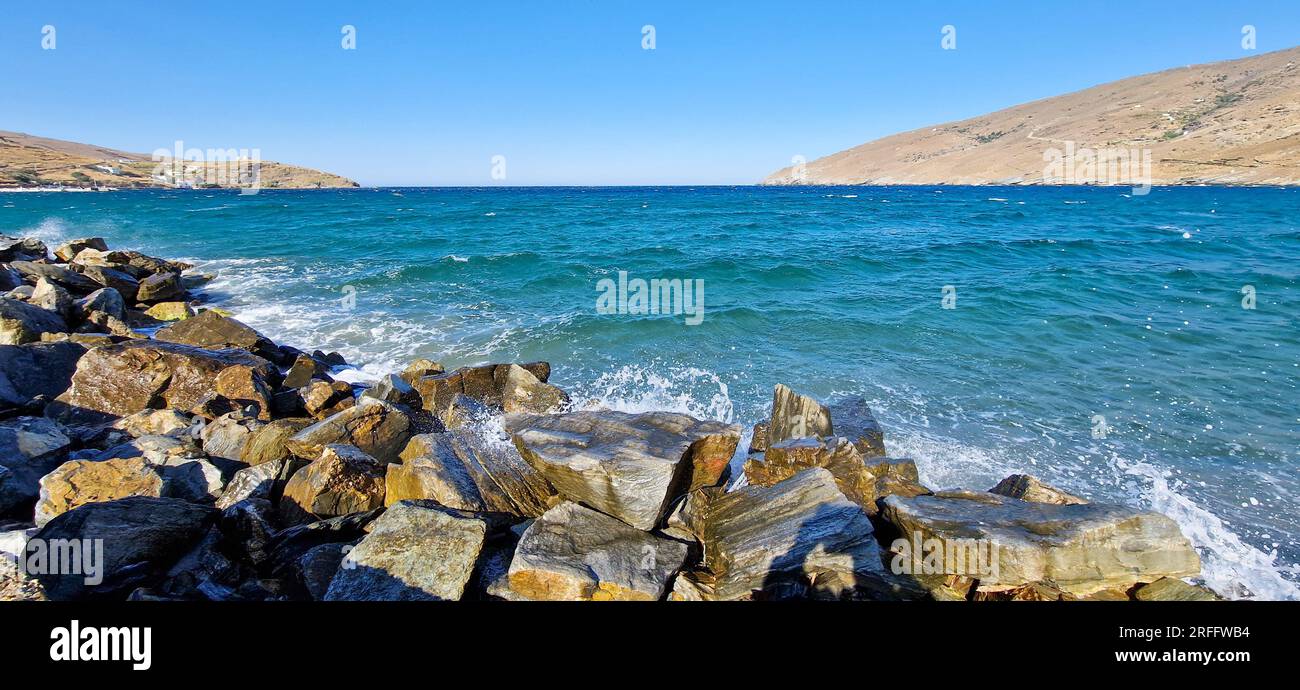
(117, 380)
(342, 480)
(468, 471)
(263, 481)
(155, 423)
(120, 282)
(630, 466)
(30, 448)
(854, 420)
(216, 332)
(573, 553)
(160, 287)
(416, 551)
(51, 297)
(44, 369)
(796, 416)
(82, 482)
(21, 322)
(107, 301)
(378, 428)
(63, 277)
(796, 538)
(1081, 548)
(141, 537)
(70, 249)
(229, 435)
(269, 442)
(1028, 488)
(22, 249)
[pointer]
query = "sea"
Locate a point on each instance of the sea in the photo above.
(1134, 348)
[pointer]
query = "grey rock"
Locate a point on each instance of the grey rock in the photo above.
(573, 553)
(319, 566)
(104, 301)
(21, 322)
(854, 420)
(392, 389)
(160, 287)
(51, 297)
(121, 282)
(65, 278)
(258, 481)
(229, 435)
(36, 369)
(30, 448)
(629, 466)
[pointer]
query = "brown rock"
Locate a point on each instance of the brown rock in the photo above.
(160, 287)
(376, 427)
(343, 480)
(464, 470)
(796, 416)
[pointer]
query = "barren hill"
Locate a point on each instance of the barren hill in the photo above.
(1232, 122)
(31, 161)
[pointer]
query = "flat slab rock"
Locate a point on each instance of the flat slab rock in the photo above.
(1080, 548)
(573, 553)
(416, 551)
(629, 466)
(465, 470)
(780, 541)
(378, 428)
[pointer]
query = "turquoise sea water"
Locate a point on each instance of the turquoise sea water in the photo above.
(1097, 340)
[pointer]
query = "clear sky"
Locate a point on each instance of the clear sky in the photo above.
(563, 89)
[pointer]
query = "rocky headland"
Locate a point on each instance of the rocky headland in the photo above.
(189, 457)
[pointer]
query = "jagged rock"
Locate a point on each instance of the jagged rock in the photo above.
(894, 477)
(107, 301)
(170, 311)
(521, 391)
(21, 322)
(141, 538)
(1173, 589)
(758, 439)
(786, 458)
(264, 481)
(854, 420)
(1081, 548)
(121, 282)
(796, 416)
(572, 553)
(211, 330)
(319, 566)
(244, 387)
(780, 541)
(393, 389)
(197, 481)
(204, 573)
(229, 435)
(268, 442)
(30, 448)
(155, 423)
(81, 482)
(22, 293)
(67, 279)
(68, 250)
(160, 287)
(10, 279)
(118, 380)
(321, 399)
(630, 466)
(22, 249)
(495, 385)
(287, 546)
(376, 427)
(1028, 488)
(416, 551)
(303, 370)
(36, 369)
(467, 471)
(51, 297)
(419, 368)
(342, 480)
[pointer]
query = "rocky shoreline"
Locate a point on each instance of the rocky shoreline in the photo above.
(182, 455)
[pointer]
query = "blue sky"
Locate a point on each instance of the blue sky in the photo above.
(563, 89)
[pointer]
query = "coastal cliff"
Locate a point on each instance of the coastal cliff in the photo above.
(1232, 122)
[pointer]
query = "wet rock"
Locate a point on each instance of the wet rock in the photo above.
(376, 427)
(51, 297)
(269, 442)
(521, 391)
(117, 380)
(494, 385)
(155, 423)
(213, 331)
(121, 282)
(107, 301)
(796, 416)
(170, 311)
(258, 481)
(854, 420)
(342, 480)
(67, 279)
(141, 537)
(160, 287)
(786, 458)
(465, 470)
(465, 411)
(895, 477)
(1028, 488)
(780, 541)
(36, 369)
(321, 399)
(1081, 548)
(416, 551)
(419, 368)
(21, 322)
(393, 389)
(30, 448)
(1173, 589)
(630, 466)
(572, 553)
(68, 250)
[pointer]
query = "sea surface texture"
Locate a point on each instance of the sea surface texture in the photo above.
(1098, 339)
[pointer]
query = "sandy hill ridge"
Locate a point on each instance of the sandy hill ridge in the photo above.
(1231, 122)
(31, 161)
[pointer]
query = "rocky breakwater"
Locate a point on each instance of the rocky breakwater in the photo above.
(191, 457)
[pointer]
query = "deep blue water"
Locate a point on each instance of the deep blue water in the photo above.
(1071, 304)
